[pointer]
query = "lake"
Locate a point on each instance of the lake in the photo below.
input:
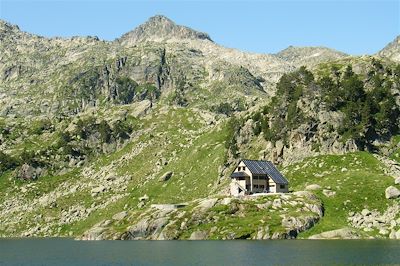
(292, 252)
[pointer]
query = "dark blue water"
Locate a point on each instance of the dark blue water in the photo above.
(283, 252)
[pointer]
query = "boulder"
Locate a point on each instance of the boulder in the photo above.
(226, 201)
(365, 212)
(119, 216)
(277, 203)
(383, 231)
(207, 204)
(264, 206)
(343, 233)
(392, 192)
(198, 235)
(397, 234)
(397, 180)
(144, 198)
(166, 176)
(329, 193)
(27, 172)
(98, 190)
(313, 187)
(392, 234)
(305, 194)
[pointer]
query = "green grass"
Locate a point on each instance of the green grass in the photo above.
(357, 178)
(396, 152)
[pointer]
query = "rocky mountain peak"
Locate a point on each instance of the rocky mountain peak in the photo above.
(392, 50)
(159, 29)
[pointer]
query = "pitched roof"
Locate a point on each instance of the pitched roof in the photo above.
(265, 168)
(239, 174)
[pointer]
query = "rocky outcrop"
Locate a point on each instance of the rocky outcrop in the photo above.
(392, 168)
(184, 221)
(343, 233)
(369, 220)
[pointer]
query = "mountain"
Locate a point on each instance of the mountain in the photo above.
(136, 138)
(160, 28)
(392, 50)
(309, 56)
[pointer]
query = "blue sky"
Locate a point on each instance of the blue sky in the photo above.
(355, 26)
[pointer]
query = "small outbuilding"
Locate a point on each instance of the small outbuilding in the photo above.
(256, 176)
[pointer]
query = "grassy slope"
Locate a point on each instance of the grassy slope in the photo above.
(357, 178)
(194, 153)
(190, 181)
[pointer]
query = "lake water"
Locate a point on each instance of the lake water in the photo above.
(277, 252)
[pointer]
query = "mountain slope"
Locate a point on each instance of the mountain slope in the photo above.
(136, 138)
(392, 50)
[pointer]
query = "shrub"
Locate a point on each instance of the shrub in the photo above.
(7, 162)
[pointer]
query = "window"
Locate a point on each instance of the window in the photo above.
(244, 168)
(255, 186)
(261, 186)
(282, 186)
(272, 185)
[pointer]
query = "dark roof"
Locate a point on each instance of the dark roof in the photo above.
(239, 174)
(265, 168)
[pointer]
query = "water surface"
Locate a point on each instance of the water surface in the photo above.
(277, 252)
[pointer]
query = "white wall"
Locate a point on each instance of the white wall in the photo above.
(234, 188)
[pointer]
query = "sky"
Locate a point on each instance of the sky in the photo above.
(356, 27)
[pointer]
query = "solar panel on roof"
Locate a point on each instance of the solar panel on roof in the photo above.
(265, 168)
